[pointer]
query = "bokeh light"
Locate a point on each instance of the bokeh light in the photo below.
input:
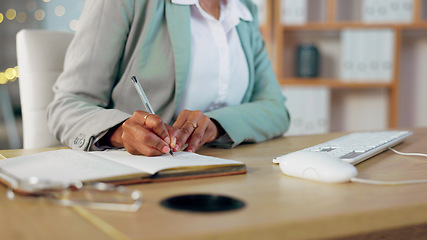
(60, 11)
(11, 14)
(3, 79)
(16, 70)
(58, 15)
(73, 24)
(11, 74)
(31, 6)
(21, 17)
(39, 14)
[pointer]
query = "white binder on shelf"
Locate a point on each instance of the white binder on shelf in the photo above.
(371, 54)
(387, 11)
(369, 11)
(367, 55)
(294, 12)
(381, 11)
(405, 12)
(391, 15)
(309, 108)
(347, 62)
(359, 56)
(386, 54)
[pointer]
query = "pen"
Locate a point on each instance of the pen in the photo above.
(144, 99)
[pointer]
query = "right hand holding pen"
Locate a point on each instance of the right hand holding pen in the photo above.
(142, 133)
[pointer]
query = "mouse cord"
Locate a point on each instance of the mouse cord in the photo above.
(408, 154)
(360, 180)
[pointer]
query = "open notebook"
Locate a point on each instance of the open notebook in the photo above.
(114, 166)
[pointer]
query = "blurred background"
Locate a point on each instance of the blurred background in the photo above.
(57, 15)
(325, 100)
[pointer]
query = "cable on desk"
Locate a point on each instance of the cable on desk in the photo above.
(367, 181)
(408, 154)
(100, 224)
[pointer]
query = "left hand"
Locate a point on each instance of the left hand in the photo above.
(193, 128)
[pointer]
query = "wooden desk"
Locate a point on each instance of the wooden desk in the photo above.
(278, 207)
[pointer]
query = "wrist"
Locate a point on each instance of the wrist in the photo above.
(113, 138)
(220, 129)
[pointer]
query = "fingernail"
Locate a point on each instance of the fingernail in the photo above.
(173, 143)
(191, 150)
(165, 149)
(168, 140)
(177, 148)
(184, 147)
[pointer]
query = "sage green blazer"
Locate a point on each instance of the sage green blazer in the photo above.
(150, 39)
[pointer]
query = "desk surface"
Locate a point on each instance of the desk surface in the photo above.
(278, 206)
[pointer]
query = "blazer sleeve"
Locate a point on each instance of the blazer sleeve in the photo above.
(263, 114)
(79, 111)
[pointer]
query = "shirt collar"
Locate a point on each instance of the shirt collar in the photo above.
(235, 6)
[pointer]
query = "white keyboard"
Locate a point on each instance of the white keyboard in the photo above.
(357, 147)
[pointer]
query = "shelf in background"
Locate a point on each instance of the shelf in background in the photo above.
(331, 17)
(332, 83)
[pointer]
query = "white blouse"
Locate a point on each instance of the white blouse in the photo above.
(218, 74)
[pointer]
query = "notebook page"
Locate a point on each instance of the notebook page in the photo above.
(166, 161)
(65, 165)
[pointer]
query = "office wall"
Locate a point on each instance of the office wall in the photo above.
(56, 15)
(413, 97)
(8, 30)
(355, 110)
(359, 110)
(350, 110)
(367, 109)
(62, 15)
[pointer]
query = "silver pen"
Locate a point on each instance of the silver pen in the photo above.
(144, 99)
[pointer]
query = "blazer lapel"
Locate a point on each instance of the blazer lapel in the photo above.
(178, 22)
(244, 35)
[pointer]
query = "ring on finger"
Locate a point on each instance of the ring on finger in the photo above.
(193, 124)
(145, 118)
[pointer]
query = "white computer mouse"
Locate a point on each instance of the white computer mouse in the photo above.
(316, 166)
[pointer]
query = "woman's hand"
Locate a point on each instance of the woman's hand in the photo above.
(193, 128)
(143, 133)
